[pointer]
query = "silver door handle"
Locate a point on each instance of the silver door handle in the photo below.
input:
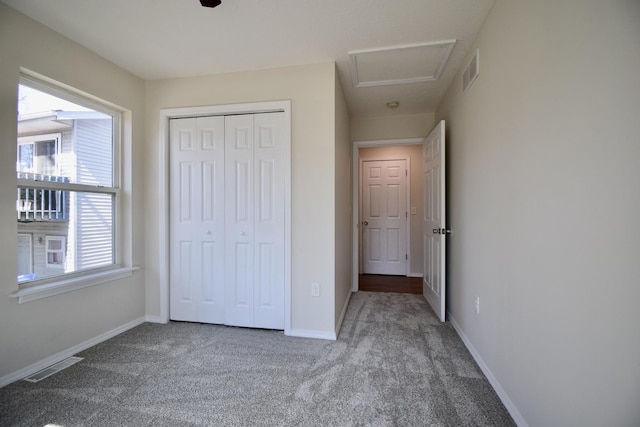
(441, 231)
(365, 222)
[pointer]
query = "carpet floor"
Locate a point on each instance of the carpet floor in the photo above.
(393, 364)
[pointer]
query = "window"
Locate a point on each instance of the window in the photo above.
(39, 154)
(68, 186)
(56, 248)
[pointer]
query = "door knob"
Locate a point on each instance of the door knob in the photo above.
(365, 222)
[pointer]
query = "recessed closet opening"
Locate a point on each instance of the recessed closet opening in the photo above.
(226, 223)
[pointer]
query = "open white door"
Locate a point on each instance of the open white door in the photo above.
(434, 229)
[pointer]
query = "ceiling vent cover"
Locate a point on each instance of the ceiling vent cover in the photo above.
(401, 64)
(471, 72)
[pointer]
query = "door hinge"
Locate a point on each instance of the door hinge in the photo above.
(406, 257)
(406, 214)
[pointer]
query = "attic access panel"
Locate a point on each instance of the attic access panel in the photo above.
(399, 65)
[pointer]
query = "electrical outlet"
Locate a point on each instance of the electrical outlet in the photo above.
(477, 305)
(315, 289)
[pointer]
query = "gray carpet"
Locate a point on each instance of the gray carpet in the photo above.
(394, 364)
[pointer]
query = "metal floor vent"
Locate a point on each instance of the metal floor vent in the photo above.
(47, 372)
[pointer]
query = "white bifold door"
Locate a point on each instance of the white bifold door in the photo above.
(227, 220)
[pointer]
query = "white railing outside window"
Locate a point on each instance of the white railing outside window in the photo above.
(39, 204)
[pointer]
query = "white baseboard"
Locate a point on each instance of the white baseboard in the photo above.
(414, 275)
(155, 319)
(55, 358)
(513, 411)
(342, 314)
(303, 333)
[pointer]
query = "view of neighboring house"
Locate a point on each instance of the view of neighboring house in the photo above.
(63, 231)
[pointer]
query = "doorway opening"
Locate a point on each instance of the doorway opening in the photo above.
(387, 254)
(385, 283)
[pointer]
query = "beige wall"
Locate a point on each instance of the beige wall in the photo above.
(414, 153)
(342, 204)
(311, 90)
(391, 127)
(544, 168)
(33, 331)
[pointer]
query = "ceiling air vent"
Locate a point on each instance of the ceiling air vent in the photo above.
(471, 72)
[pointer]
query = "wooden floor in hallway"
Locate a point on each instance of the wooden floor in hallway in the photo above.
(384, 283)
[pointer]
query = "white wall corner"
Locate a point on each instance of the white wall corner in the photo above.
(156, 319)
(342, 314)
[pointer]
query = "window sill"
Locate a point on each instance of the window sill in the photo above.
(36, 292)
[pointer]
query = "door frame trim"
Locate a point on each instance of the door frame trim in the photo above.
(355, 191)
(163, 175)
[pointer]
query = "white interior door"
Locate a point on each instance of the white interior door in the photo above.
(239, 238)
(196, 229)
(227, 220)
(254, 187)
(434, 227)
(384, 217)
(269, 213)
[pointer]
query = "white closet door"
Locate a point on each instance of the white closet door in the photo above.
(239, 233)
(254, 185)
(227, 220)
(196, 193)
(268, 200)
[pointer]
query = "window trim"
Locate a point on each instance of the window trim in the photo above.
(70, 282)
(122, 208)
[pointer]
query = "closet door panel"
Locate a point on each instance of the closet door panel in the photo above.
(196, 229)
(239, 227)
(211, 158)
(269, 156)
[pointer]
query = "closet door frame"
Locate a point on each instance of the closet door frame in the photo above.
(163, 176)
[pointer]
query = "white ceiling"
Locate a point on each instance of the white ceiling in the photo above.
(157, 39)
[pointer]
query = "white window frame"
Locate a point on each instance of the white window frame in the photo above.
(33, 140)
(122, 216)
(62, 251)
